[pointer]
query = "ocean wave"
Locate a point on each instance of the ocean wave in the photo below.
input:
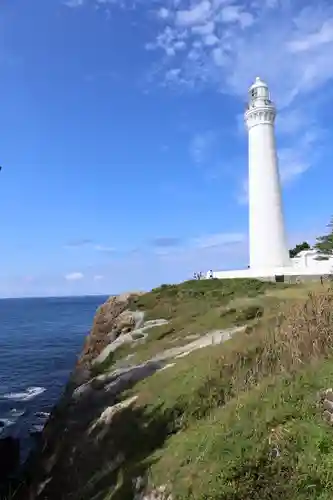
(17, 413)
(42, 414)
(27, 395)
(6, 422)
(11, 418)
(36, 429)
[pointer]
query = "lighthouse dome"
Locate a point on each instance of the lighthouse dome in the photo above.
(259, 90)
(258, 83)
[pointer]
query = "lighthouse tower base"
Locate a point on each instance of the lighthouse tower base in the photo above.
(304, 266)
(288, 275)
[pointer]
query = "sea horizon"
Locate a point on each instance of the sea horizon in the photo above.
(33, 297)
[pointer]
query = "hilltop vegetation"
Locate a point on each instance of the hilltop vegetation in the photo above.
(238, 420)
(193, 308)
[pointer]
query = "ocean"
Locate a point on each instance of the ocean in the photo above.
(40, 340)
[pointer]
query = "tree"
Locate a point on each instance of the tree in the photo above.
(324, 244)
(298, 248)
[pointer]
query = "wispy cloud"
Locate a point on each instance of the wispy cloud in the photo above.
(75, 276)
(202, 145)
(98, 277)
(104, 248)
(146, 270)
(166, 242)
(74, 3)
(220, 43)
(218, 240)
(173, 246)
(78, 243)
(86, 242)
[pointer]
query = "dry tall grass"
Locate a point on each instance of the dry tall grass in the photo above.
(303, 332)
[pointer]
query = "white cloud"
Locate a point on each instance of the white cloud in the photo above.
(163, 13)
(291, 121)
(78, 243)
(211, 40)
(224, 44)
(204, 29)
(218, 240)
(324, 35)
(76, 276)
(197, 14)
(235, 13)
(74, 3)
(294, 161)
(248, 43)
(103, 248)
(98, 277)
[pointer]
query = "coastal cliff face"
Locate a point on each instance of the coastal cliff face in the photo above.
(65, 446)
(158, 405)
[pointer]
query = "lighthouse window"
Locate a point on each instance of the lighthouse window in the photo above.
(254, 93)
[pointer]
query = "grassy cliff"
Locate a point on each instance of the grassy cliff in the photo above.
(172, 415)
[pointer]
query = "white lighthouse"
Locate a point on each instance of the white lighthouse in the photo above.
(269, 255)
(268, 243)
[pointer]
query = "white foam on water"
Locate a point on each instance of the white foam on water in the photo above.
(42, 414)
(36, 428)
(6, 422)
(27, 395)
(11, 418)
(17, 413)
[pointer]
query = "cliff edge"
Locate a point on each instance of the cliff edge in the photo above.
(207, 389)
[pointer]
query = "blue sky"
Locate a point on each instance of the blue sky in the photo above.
(122, 141)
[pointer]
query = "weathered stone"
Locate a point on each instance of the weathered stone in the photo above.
(328, 417)
(325, 394)
(328, 405)
(106, 417)
(329, 394)
(109, 319)
(159, 493)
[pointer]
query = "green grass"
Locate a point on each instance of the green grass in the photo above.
(208, 427)
(195, 308)
(193, 298)
(231, 454)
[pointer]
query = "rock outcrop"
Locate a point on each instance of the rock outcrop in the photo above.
(111, 320)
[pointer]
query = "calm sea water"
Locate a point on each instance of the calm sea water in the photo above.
(40, 340)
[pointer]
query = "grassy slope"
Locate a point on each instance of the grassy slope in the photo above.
(211, 426)
(269, 442)
(194, 308)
